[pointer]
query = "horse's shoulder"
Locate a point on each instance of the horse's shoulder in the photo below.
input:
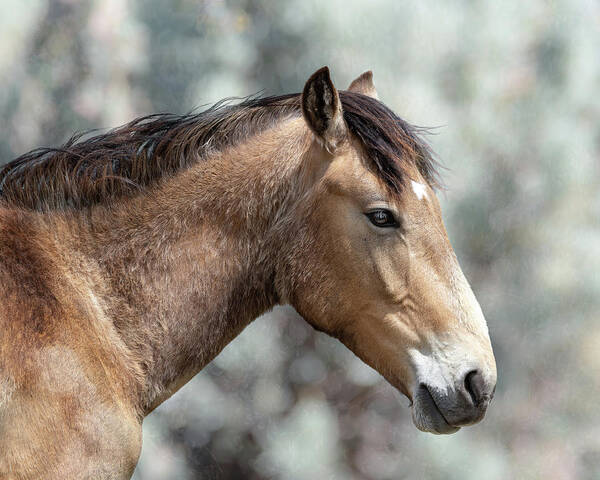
(57, 407)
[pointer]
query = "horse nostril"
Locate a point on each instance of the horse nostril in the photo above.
(476, 386)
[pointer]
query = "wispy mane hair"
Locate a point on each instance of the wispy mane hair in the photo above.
(103, 168)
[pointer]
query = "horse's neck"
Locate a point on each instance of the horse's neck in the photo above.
(189, 265)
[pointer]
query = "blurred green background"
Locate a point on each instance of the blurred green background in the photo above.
(513, 88)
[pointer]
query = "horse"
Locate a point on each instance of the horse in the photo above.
(129, 259)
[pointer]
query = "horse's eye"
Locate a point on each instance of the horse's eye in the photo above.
(382, 218)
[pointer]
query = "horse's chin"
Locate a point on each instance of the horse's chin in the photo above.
(427, 416)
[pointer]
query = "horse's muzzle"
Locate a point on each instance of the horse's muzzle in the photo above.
(444, 411)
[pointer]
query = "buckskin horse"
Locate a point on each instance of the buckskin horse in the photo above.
(130, 259)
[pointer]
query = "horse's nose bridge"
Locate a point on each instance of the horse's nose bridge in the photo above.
(440, 283)
(457, 303)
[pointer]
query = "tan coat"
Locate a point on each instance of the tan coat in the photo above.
(120, 280)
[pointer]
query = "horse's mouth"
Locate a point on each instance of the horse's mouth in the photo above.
(427, 416)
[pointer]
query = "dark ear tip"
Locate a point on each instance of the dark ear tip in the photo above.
(322, 73)
(321, 76)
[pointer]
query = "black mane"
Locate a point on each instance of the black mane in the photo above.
(99, 169)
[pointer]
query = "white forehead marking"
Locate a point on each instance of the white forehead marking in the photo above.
(419, 189)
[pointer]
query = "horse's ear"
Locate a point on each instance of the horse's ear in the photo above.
(364, 84)
(322, 109)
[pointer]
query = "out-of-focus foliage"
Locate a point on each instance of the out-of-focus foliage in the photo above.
(514, 88)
